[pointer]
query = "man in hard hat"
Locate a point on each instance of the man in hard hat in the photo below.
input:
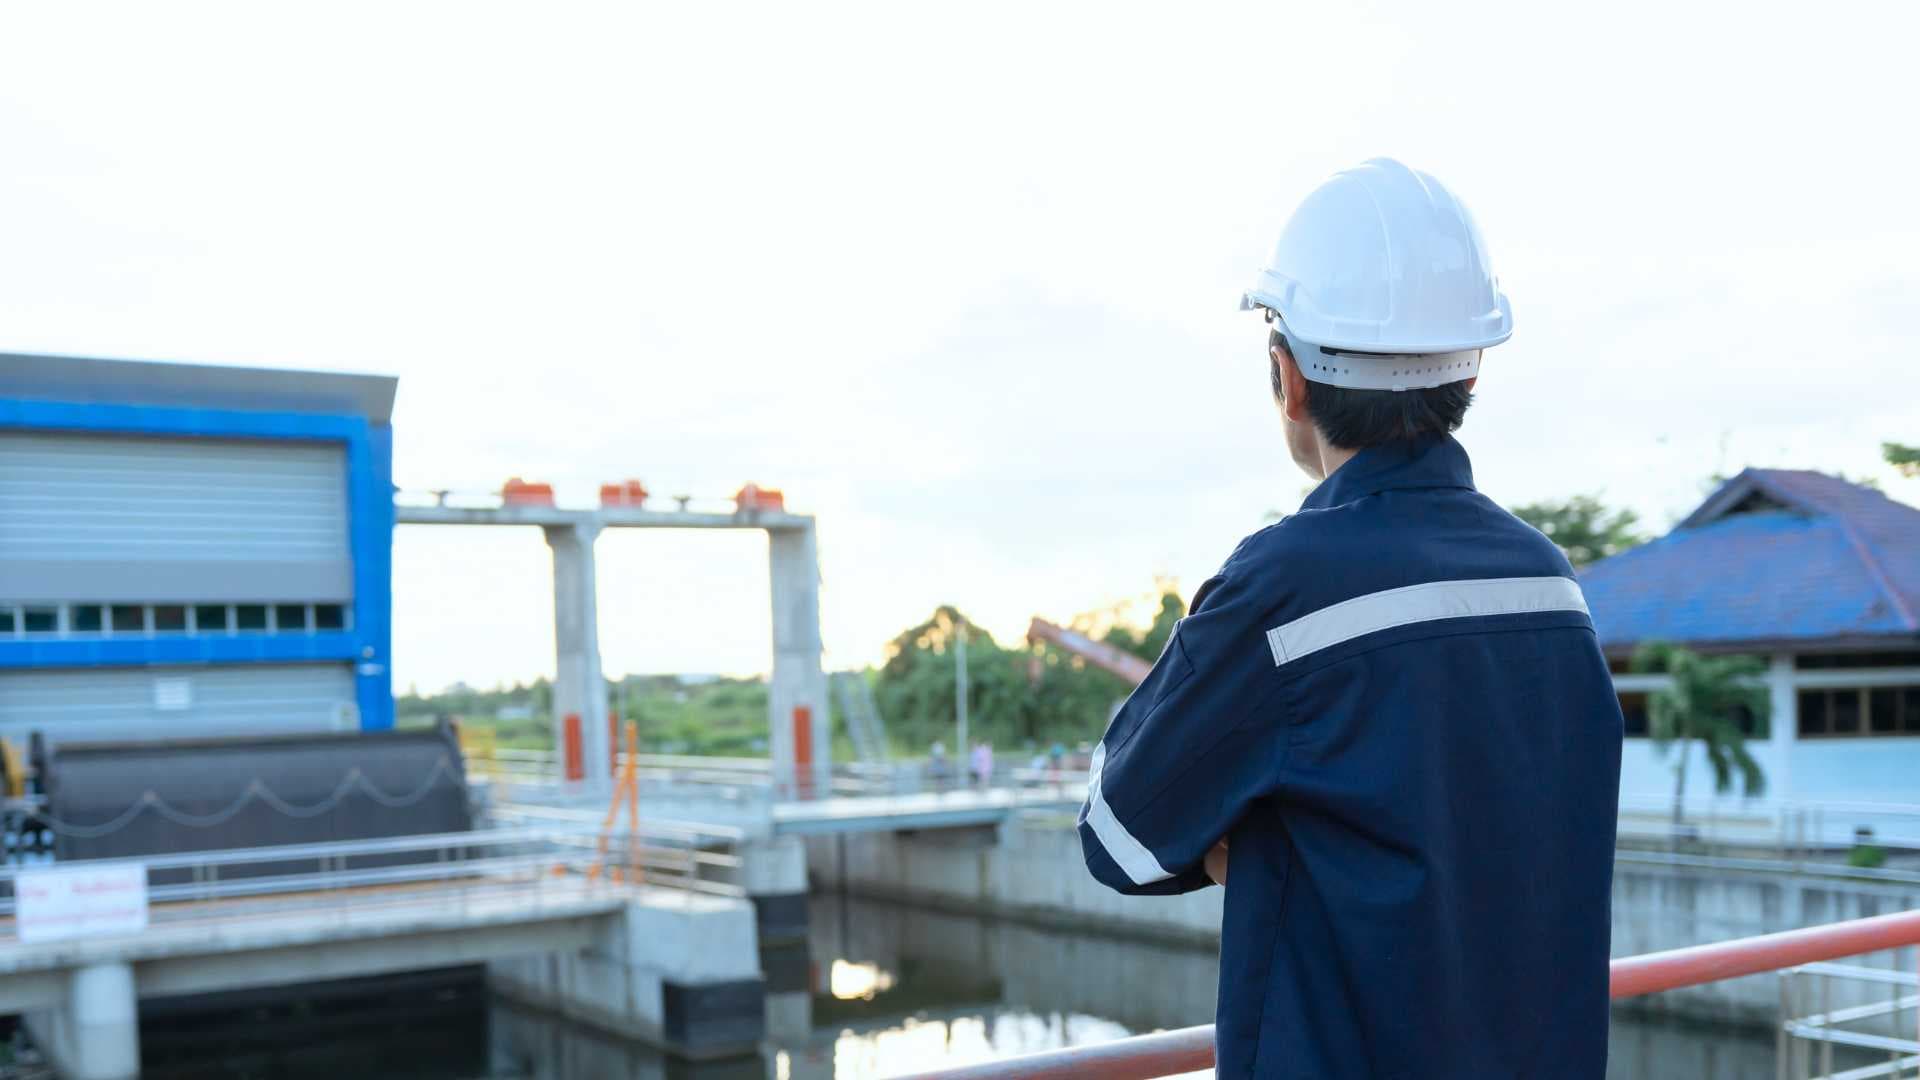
(1388, 713)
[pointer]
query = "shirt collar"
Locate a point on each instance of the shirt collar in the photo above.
(1431, 461)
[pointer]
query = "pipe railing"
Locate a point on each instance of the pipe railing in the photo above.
(1166, 1053)
(753, 777)
(662, 854)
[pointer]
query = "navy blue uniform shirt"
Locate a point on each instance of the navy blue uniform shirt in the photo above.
(1393, 706)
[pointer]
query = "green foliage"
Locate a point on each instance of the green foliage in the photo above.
(725, 716)
(1583, 527)
(1702, 704)
(1902, 457)
(1149, 643)
(676, 716)
(1867, 856)
(464, 701)
(1016, 694)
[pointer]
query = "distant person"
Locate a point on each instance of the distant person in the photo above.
(982, 763)
(1389, 709)
(938, 769)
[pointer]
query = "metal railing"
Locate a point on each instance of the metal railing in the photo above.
(1807, 1039)
(754, 777)
(542, 767)
(321, 872)
(1869, 841)
(1790, 829)
(1191, 1049)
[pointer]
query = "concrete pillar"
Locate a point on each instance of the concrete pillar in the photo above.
(797, 683)
(95, 1033)
(578, 687)
(774, 873)
(1784, 729)
(679, 971)
(788, 968)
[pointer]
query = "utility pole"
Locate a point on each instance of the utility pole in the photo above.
(960, 755)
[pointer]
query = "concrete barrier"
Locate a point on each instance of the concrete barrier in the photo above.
(676, 970)
(1028, 867)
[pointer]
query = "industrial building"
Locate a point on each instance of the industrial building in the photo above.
(190, 550)
(1818, 576)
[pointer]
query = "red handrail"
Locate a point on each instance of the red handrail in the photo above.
(1146, 1057)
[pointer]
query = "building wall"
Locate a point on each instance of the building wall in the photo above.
(346, 632)
(177, 701)
(1858, 767)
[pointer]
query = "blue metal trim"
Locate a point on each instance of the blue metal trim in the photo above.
(369, 453)
(165, 420)
(370, 497)
(340, 646)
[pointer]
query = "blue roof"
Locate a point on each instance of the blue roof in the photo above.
(1777, 556)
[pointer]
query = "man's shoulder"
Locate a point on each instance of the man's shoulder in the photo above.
(1275, 567)
(1301, 541)
(1318, 557)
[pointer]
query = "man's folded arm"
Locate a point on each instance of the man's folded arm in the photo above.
(1187, 754)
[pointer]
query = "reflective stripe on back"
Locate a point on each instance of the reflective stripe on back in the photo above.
(1392, 608)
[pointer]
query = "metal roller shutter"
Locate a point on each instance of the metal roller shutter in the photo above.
(162, 520)
(135, 703)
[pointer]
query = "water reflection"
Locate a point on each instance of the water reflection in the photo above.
(878, 990)
(965, 989)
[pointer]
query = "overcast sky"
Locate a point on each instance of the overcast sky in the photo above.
(961, 279)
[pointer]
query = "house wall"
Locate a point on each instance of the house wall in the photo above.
(1848, 769)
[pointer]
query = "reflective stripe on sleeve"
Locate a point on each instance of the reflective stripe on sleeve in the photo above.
(1128, 853)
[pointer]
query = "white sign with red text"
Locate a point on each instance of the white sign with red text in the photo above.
(59, 902)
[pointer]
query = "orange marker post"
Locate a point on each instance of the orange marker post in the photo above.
(632, 785)
(803, 750)
(571, 751)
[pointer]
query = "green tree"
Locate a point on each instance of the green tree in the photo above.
(1015, 693)
(915, 686)
(1703, 703)
(1583, 527)
(1149, 643)
(1902, 457)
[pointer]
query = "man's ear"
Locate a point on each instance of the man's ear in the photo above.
(1293, 383)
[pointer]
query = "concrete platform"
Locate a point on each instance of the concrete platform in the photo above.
(673, 968)
(928, 810)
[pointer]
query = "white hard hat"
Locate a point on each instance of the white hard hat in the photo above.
(1380, 281)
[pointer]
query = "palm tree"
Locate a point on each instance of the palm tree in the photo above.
(1702, 703)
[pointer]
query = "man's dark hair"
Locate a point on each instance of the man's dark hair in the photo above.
(1354, 419)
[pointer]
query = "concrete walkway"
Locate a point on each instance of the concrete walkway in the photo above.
(929, 810)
